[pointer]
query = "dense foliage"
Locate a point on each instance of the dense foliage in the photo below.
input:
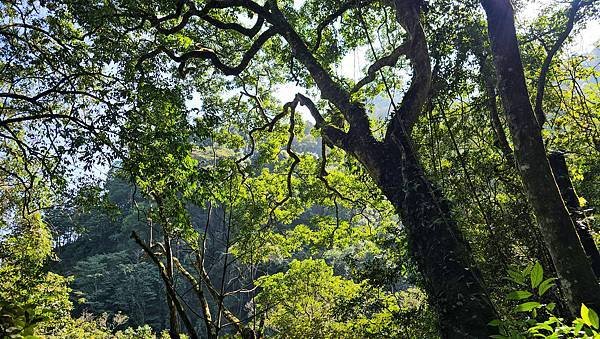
(306, 169)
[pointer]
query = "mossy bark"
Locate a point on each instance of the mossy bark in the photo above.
(577, 279)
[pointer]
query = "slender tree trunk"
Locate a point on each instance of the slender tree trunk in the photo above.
(171, 293)
(577, 278)
(500, 137)
(563, 180)
(173, 323)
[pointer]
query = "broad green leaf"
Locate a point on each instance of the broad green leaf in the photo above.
(519, 295)
(545, 286)
(515, 276)
(543, 326)
(494, 322)
(536, 275)
(528, 306)
(589, 316)
(527, 270)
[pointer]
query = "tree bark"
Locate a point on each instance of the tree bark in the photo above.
(173, 323)
(442, 255)
(501, 140)
(435, 242)
(576, 6)
(171, 293)
(578, 281)
(437, 245)
(563, 180)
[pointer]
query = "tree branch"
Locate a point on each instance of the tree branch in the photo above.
(333, 16)
(389, 61)
(407, 15)
(332, 135)
(209, 54)
(576, 5)
(170, 290)
(210, 326)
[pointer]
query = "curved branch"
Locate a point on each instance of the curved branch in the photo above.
(209, 54)
(268, 126)
(323, 173)
(288, 148)
(389, 61)
(332, 135)
(407, 15)
(353, 112)
(576, 5)
(333, 16)
(249, 32)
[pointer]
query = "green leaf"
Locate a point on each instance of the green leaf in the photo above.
(528, 306)
(545, 286)
(515, 276)
(494, 322)
(519, 295)
(589, 316)
(537, 274)
(525, 272)
(550, 307)
(542, 326)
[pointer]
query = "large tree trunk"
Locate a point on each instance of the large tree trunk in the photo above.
(437, 245)
(563, 180)
(442, 255)
(575, 273)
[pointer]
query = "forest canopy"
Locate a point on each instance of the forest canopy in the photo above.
(299, 169)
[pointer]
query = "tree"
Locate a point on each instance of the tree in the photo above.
(54, 100)
(32, 300)
(308, 300)
(441, 252)
(231, 208)
(578, 280)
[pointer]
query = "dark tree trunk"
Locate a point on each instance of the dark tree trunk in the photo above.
(578, 281)
(437, 245)
(173, 323)
(563, 180)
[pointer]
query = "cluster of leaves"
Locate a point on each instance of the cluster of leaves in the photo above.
(309, 300)
(30, 297)
(533, 318)
(274, 215)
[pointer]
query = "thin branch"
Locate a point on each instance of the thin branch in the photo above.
(576, 6)
(387, 61)
(210, 326)
(333, 16)
(170, 289)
